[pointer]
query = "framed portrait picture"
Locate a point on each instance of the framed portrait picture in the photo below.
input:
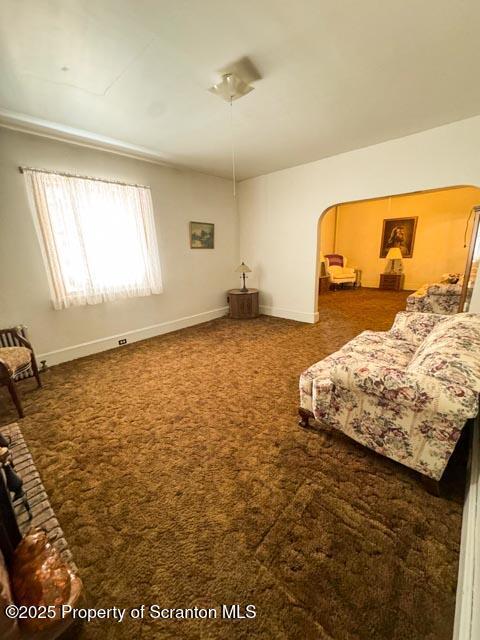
(202, 235)
(398, 232)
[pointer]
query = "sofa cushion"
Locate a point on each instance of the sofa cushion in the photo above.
(378, 346)
(450, 278)
(451, 352)
(15, 357)
(414, 326)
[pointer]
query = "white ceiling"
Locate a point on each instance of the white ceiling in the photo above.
(337, 74)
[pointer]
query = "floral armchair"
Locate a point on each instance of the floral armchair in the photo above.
(406, 393)
(440, 297)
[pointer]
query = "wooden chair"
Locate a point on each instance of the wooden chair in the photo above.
(15, 359)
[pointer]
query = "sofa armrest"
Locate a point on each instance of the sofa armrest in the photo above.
(417, 392)
(419, 293)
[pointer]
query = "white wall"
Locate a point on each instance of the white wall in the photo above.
(279, 211)
(327, 232)
(195, 281)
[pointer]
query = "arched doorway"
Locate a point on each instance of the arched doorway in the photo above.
(435, 222)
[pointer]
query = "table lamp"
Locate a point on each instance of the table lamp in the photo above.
(243, 269)
(394, 258)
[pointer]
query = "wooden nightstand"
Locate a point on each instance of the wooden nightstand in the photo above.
(243, 304)
(323, 284)
(393, 281)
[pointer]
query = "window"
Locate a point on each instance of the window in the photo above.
(98, 238)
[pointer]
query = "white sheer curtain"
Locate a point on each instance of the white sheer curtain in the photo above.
(98, 238)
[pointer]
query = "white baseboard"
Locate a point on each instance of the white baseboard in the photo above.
(290, 314)
(467, 609)
(111, 342)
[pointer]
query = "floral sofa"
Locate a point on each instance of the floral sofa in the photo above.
(405, 393)
(440, 297)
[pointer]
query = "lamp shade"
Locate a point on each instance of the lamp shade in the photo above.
(243, 268)
(394, 254)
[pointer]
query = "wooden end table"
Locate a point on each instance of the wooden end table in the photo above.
(392, 281)
(243, 304)
(323, 284)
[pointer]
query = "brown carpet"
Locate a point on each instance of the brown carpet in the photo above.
(180, 476)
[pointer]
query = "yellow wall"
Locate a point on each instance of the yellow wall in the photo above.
(327, 231)
(439, 239)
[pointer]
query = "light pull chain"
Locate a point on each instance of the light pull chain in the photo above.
(233, 150)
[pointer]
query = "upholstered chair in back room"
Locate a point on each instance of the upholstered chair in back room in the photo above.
(338, 271)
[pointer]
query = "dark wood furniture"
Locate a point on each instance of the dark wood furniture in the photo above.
(14, 338)
(323, 284)
(243, 304)
(392, 281)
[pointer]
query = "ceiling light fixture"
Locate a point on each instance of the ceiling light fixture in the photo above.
(231, 88)
(234, 84)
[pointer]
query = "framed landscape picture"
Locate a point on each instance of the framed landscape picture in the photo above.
(202, 235)
(400, 233)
